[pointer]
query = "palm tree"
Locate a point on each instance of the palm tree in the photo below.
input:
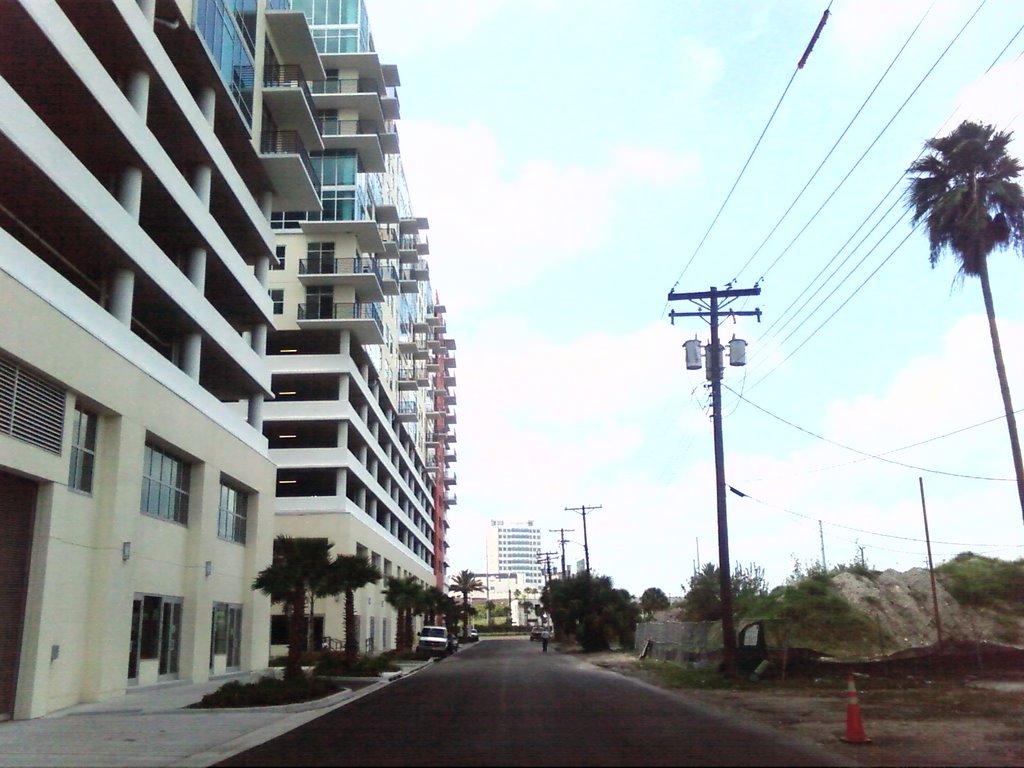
(403, 594)
(965, 192)
(349, 573)
(297, 571)
(465, 582)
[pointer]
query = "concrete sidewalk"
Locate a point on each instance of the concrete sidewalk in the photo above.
(152, 727)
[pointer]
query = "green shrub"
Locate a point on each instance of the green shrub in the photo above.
(335, 663)
(984, 582)
(266, 692)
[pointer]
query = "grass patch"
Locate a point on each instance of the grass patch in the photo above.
(266, 692)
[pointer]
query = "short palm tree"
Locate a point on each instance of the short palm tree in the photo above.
(298, 571)
(965, 192)
(349, 573)
(464, 583)
(403, 594)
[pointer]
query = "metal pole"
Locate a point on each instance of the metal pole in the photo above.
(821, 536)
(714, 372)
(931, 570)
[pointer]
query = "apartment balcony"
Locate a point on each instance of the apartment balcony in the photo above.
(407, 281)
(450, 399)
(287, 97)
(359, 135)
(421, 351)
(450, 479)
(450, 499)
(351, 216)
(449, 456)
(450, 418)
(361, 273)
(362, 320)
(407, 344)
(421, 270)
(388, 279)
(431, 439)
(408, 411)
(352, 94)
(452, 438)
(293, 40)
(287, 163)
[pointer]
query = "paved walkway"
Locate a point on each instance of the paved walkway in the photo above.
(152, 727)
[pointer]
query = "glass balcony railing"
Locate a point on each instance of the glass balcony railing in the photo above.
(321, 310)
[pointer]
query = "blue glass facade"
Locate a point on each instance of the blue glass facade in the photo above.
(227, 27)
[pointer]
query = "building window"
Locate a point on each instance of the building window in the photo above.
(83, 450)
(277, 298)
(231, 514)
(280, 253)
(165, 481)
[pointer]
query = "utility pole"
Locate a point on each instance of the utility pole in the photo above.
(586, 547)
(710, 308)
(545, 558)
(931, 569)
(821, 536)
(563, 541)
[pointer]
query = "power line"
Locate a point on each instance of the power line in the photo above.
(757, 144)
(837, 142)
(877, 138)
(862, 453)
(745, 495)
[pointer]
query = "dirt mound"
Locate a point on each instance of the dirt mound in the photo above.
(900, 603)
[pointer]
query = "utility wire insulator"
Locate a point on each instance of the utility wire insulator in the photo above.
(814, 39)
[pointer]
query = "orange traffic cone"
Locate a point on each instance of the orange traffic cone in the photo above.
(854, 727)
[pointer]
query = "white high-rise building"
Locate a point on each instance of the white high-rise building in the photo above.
(361, 422)
(144, 145)
(514, 547)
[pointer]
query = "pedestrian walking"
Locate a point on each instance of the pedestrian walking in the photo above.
(545, 635)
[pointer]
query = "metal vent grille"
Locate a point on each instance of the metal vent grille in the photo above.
(31, 408)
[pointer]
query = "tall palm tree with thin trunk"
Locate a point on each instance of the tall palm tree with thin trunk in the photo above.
(349, 573)
(965, 191)
(465, 582)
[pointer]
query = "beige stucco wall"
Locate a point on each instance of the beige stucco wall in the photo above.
(80, 590)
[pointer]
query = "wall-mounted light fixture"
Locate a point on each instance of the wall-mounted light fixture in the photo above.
(209, 567)
(126, 551)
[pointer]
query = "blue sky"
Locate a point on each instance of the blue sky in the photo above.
(572, 155)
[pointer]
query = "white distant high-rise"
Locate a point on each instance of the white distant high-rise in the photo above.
(514, 547)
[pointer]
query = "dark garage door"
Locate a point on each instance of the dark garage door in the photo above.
(17, 505)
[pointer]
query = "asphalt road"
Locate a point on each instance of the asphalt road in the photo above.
(505, 702)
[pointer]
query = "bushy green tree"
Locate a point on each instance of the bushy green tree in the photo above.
(702, 601)
(653, 599)
(591, 610)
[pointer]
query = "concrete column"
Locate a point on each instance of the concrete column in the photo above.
(256, 412)
(191, 349)
(201, 180)
(262, 269)
(258, 339)
(196, 268)
(266, 204)
(206, 99)
(137, 91)
(148, 8)
(122, 289)
(129, 191)
(341, 483)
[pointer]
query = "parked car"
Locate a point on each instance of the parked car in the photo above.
(473, 635)
(535, 631)
(436, 642)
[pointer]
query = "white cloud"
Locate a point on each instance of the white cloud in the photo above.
(618, 430)
(495, 228)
